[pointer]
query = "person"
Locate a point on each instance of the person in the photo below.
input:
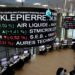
(65, 72)
(73, 46)
(61, 71)
(73, 71)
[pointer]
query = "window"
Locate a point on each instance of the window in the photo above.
(69, 33)
(73, 34)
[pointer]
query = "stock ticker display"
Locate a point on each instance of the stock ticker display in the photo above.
(20, 27)
(69, 22)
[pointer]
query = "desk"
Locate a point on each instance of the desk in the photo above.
(2, 70)
(15, 65)
(22, 57)
(56, 46)
(8, 71)
(25, 57)
(64, 45)
(49, 48)
(14, 62)
(43, 52)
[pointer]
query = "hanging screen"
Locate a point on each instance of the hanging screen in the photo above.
(69, 22)
(20, 27)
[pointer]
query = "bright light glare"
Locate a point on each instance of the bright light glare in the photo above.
(37, 4)
(20, 0)
(45, 5)
(2, 5)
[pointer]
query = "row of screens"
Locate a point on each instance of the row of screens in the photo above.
(4, 60)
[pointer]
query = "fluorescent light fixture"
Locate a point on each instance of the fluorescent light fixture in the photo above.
(45, 5)
(20, 0)
(37, 4)
(2, 5)
(71, 14)
(58, 8)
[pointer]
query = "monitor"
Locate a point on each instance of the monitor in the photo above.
(16, 56)
(25, 52)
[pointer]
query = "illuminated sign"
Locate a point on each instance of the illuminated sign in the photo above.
(23, 27)
(69, 22)
(48, 13)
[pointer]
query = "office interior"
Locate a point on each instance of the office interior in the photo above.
(41, 58)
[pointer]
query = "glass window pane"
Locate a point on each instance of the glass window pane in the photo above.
(69, 33)
(74, 34)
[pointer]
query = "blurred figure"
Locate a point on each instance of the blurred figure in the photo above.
(73, 46)
(73, 71)
(61, 71)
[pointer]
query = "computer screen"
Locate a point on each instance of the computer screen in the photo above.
(15, 57)
(4, 62)
(25, 52)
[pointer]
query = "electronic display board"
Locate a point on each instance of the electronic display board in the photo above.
(69, 22)
(26, 27)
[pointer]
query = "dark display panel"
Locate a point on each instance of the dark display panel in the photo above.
(69, 22)
(20, 27)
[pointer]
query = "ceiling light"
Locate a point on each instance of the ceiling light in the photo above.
(45, 5)
(71, 14)
(2, 5)
(37, 4)
(20, 0)
(58, 8)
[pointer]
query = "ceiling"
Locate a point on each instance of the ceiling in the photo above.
(54, 4)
